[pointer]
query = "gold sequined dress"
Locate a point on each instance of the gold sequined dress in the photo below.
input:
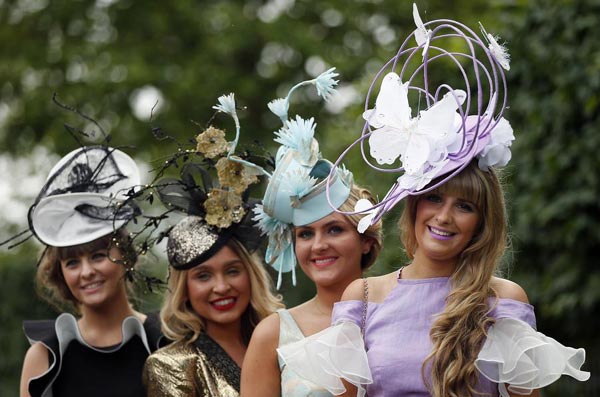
(198, 369)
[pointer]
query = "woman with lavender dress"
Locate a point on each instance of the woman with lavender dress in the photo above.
(444, 324)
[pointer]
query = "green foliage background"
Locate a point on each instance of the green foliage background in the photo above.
(95, 55)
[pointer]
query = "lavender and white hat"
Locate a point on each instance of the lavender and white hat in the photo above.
(453, 125)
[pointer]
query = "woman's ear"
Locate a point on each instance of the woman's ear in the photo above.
(367, 244)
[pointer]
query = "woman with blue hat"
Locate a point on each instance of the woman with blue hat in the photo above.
(299, 219)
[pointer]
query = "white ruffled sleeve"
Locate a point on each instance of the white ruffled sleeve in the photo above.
(328, 356)
(521, 359)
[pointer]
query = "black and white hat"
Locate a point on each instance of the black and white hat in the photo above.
(82, 199)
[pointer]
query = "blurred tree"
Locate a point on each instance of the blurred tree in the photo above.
(115, 60)
(555, 174)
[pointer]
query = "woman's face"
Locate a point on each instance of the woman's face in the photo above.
(93, 279)
(329, 250)
(444, 226)
(219, 289)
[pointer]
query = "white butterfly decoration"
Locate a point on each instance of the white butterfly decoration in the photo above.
(497, 151)
(498, 50)
(422, 142)
(419, 180)
(366, 207)
(422, 34)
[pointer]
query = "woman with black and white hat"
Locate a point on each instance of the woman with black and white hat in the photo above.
(80, 216)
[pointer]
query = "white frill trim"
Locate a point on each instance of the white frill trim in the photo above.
(328, 356)
(67, 330)
(521, 359)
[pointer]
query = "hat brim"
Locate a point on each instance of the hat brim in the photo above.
(56, 222)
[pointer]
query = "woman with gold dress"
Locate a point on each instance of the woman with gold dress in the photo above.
(218, 289)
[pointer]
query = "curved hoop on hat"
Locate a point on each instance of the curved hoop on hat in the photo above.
(479, 105)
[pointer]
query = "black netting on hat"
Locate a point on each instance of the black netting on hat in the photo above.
(110, 212)
(91, 170)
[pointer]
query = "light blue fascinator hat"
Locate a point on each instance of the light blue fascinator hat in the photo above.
(296, 192)
(459, 118)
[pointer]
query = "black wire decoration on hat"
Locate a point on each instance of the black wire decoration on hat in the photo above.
(87, 184)
(88, 195)
(211, 188)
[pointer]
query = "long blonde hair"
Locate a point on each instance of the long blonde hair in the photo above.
(181, 322)
(374, 232)
(459, 331)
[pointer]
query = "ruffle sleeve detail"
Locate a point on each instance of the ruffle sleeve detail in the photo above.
(521, 359)
(348, 311)
(328, 356)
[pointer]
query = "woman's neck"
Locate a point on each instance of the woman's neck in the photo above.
(102, 325)
(423, 267)
(326, 297)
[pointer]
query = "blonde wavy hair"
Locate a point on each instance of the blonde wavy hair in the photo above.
(50, 283)
(374, 232)
(459, 331)
(180, 322)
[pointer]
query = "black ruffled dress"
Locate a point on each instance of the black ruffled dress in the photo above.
(78, 369)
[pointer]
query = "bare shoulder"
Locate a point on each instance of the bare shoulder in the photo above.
(260, 371)
(378, 286)
(266, 332)
(34, 365)
(36, 352)
(36, 359)
(354, 291)
(507, 289)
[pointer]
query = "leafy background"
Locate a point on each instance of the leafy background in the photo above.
(110, 58)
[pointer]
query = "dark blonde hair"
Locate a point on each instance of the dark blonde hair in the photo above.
(374, 232)
(50, 283)
(459, 331)
(180, 321)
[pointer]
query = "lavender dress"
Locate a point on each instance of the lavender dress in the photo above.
(514, 357)
(397, 333)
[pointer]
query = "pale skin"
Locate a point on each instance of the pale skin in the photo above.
(329, 252)
(434, 257)
(99, 287)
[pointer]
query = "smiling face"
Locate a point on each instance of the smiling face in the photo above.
(444, 226)
(329, 250)
(93, 278)
(219, 289)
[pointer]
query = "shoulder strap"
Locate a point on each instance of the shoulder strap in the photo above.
(289, 331)
(365, 306)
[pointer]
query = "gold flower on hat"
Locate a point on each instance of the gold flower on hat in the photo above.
(234, 175)
(211, 142)
(223, 207)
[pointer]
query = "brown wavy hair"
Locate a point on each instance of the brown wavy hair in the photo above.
(50, 283)
(460, 330)
(180, 322)
(374, 232)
